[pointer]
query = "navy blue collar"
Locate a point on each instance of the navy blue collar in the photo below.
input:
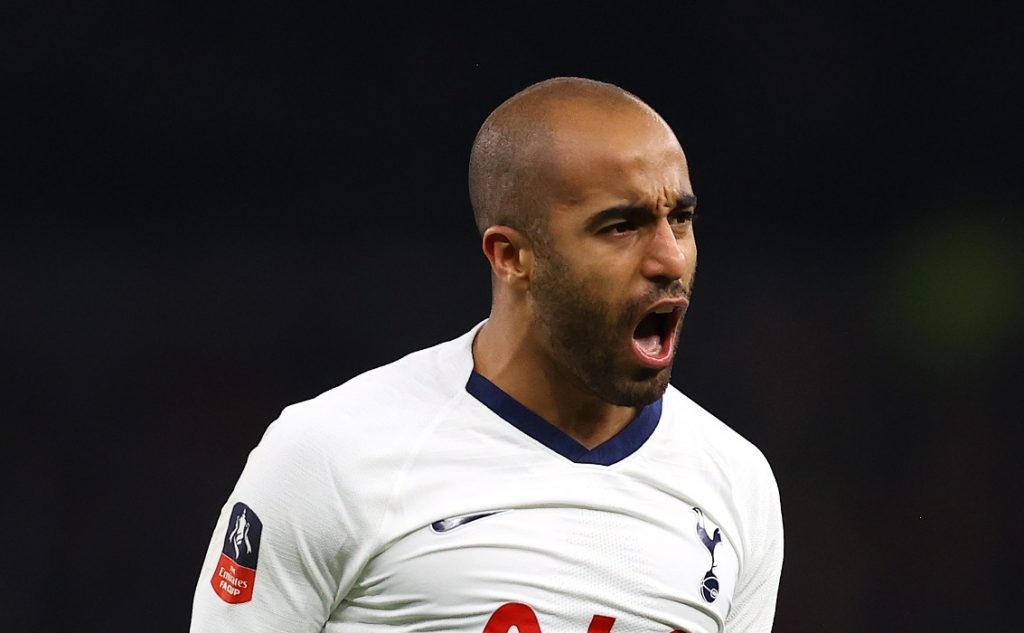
(619, 447)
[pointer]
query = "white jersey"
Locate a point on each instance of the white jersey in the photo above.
(420, 497)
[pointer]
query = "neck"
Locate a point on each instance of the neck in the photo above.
(507, 352)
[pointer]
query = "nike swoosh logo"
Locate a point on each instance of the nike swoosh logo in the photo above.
(447, 525)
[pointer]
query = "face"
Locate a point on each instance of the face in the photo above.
(613, 276)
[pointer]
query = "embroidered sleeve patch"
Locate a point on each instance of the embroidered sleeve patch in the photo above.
(235, 575)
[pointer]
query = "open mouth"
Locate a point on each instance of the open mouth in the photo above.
(654, 335)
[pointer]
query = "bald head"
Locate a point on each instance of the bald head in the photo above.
(508, 179)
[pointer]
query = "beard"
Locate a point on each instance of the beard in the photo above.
(587, 335)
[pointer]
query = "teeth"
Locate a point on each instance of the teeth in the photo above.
(664, 309)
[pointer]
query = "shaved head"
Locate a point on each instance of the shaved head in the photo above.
(508, 182)
(583, 199)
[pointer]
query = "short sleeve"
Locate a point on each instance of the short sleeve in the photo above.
(753, 609)
(284, 545)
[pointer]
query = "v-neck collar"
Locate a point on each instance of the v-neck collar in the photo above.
(620, 446)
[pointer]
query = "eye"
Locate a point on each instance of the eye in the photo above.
(683, 217)
(619, 227)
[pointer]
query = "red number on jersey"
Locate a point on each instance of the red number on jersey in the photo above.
(521, 616)
(512, 614)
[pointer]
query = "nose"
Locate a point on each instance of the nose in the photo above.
(665, 260)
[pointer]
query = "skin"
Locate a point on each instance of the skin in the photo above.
(567, 299)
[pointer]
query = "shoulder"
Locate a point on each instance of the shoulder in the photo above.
(350, 446)
(734, 471)
(381, 409)
(722, 443)
(732, 465)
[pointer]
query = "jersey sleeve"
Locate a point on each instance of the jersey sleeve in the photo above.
(753, 609)
(286, 545)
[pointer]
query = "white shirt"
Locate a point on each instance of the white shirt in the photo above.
(420, 497)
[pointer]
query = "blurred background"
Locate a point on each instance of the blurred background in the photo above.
(211, 212)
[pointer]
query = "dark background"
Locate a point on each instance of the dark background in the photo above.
(211, 212)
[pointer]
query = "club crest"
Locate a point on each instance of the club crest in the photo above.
(709, 584)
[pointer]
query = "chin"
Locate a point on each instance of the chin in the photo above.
(641, 390)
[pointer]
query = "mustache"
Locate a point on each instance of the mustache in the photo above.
(673, 290)
(676, 289)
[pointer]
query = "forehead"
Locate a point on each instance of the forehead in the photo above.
(623, 155)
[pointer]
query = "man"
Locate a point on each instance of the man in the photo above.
(538, 473)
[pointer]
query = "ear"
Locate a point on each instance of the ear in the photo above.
(510, 255)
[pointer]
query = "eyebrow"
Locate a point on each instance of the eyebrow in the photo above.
(685, 201)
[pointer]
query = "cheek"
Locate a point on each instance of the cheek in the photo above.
(615, 294)
(688, 247)
(608, 282)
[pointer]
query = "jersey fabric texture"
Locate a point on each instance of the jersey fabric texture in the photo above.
(420, 497)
